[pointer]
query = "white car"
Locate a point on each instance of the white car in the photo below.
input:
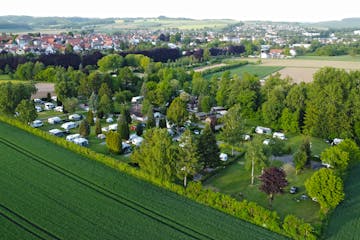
(37, 123)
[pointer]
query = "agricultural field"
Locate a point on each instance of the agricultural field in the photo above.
(302, 69)
(49, 192)
(257, 70)
(344, 222)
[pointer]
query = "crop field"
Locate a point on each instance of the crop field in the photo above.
(48, 192)
(302, 70)
(257, 70)
(344, 222)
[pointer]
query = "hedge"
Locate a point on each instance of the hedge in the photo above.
(245, 210)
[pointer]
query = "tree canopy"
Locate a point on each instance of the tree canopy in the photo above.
(326, 188)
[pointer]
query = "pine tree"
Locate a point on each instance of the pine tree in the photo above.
(98, 127)
(113, 142)
(90, 117)
(208, 148)
(123, 128)
(84, 128)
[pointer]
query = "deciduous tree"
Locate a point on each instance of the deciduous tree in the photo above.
(188, 162)
(326, 187)
(255, 157)
(157, 154)
(26, 111)
(273, 181)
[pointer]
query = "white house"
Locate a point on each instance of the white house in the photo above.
(69, 125)
(262, 130)
(279, 135)
(54, 120)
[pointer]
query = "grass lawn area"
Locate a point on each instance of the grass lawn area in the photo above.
(235, 180)
(4, 77)
(318, 145)
(257, 70)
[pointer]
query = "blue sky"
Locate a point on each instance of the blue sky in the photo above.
(274, 10)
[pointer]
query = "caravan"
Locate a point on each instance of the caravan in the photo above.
(69, 125)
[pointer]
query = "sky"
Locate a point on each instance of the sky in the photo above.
(273, 10)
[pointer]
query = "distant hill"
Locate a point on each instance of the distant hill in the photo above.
(344, 23)
(41, 24)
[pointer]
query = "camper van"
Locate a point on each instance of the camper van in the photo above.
(72, 137)
(54, 120)
(279, 135)
(81, 141)
(69, 125)
(49, 106)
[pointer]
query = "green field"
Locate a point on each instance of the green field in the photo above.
(235, 180)
(344, 222)
(257, 70)
(48, 192)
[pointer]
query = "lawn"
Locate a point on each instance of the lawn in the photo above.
(344, 222)
(257, 70)
(235, 180)
(57, 194)
(4, 77)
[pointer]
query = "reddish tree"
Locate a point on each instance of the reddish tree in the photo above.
(273, 182)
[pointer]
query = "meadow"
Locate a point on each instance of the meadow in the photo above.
(257, 70)
(49, 192)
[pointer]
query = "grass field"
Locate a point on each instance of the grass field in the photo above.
(346, 58)
(235, 180)
(344, 222)
(48, 192)
(257, 70)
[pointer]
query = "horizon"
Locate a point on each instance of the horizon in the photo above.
(276, 11)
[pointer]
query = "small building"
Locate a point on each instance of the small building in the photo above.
(262, 130)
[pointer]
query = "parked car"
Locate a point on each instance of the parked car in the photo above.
(293, 189)
(37, 123)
